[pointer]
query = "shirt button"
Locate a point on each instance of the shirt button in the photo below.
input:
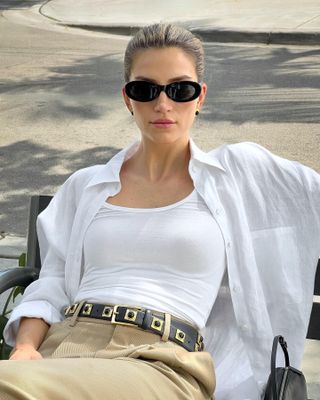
(228, 245)
(218, 211)
(235, 288)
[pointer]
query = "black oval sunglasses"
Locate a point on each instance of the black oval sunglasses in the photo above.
(180, 92)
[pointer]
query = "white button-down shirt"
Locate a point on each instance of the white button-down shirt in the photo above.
(268, 210)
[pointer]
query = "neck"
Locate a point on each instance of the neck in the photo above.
(157, 162)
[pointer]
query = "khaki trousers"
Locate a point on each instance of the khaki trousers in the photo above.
(89, 359)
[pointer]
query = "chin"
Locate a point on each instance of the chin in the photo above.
(165, 138)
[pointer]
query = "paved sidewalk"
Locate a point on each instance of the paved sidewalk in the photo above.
(264, 21)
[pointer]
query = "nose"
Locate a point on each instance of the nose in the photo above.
(163, 103)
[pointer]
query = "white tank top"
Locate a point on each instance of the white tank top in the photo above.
(170, 259)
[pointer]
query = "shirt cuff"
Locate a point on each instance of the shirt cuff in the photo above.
(32, 309)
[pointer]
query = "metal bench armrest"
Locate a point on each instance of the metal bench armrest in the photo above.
(17, 277)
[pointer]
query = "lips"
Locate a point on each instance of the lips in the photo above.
(163, 121)
(163, 124)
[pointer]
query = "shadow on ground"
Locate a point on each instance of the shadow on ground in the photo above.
(82, 90)
(27, 169)
(279, 85)
(15, 4)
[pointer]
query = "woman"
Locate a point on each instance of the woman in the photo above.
(213, 254)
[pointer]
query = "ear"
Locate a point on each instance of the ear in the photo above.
(126, 99)
(202, 95)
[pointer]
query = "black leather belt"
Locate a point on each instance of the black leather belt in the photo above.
(181, 332)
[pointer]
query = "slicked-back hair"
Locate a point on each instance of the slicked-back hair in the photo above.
(160, 36)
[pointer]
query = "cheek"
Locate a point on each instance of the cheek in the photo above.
(140, 108)
(142, 113)
(188, 112)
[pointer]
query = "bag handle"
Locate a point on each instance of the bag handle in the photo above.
(273, 377)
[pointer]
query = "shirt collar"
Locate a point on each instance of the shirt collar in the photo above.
(205, 158)
(111, 171)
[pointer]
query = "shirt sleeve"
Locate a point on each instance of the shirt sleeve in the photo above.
(46, 297)
(277, 222)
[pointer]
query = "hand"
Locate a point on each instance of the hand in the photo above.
(25, 353)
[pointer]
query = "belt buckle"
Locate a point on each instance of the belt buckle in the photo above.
(129, 308)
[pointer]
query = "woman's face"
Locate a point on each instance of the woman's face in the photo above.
(164, 66)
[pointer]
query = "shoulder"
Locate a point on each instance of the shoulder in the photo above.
(82, 176)
(252, 162)
(253, 159)
(243, 152)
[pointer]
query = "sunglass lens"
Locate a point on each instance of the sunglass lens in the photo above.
(184, 91)
(141, 91)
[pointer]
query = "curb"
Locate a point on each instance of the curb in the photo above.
(227, 36)
(217, 35)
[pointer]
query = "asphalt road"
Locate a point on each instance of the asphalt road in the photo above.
(61, 107)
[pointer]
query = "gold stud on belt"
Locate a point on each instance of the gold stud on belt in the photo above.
(131, 315)
(180, 335)
(87, 308)
(107, 312)
(157, 324)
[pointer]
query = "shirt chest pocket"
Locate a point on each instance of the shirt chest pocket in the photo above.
(277, 256)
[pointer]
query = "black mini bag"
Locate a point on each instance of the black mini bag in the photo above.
(284, 383)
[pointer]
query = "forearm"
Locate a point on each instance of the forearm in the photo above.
(31, 333)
